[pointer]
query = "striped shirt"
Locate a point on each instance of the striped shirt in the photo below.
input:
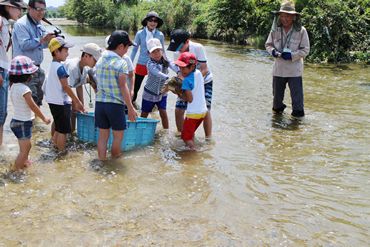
(157, 75)
(22, 111)
(107, 70)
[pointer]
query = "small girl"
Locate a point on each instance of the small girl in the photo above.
(25, 108)
(8, 10)
(157, 75)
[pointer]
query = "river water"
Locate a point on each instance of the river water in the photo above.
(261, 180)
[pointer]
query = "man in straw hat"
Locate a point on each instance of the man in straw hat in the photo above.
(288, 43)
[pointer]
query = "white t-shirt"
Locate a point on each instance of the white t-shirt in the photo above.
(53, 89)
(130, 67)
(76, 78)
(200, 54)
(22, 111)
(4, 37)
(194, 83)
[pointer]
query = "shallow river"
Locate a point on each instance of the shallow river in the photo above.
(261, 180)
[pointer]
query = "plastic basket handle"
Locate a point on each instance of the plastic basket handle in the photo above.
(141, 126)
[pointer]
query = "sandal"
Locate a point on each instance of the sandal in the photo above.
(28, 163)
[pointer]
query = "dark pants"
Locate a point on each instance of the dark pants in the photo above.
(35, 84)
(296, 92)
(138, 80)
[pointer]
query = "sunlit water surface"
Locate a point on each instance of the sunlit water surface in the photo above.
(261, 180)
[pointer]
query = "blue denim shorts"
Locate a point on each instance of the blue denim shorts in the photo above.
(21, 129)
(4, 90)
(110, 115)
(147, 106)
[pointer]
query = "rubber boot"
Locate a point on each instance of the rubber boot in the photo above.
(279, 110)
(296, 113)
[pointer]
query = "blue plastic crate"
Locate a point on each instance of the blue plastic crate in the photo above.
(138, 133)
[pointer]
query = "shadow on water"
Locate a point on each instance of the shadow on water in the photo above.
(279, 121)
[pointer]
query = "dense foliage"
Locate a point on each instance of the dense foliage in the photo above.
(338, 30)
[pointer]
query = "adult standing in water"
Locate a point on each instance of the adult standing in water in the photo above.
(9, 9)
(29, 39)
(150, 23)
(288, 43)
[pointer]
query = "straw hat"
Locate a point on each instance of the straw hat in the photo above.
(287, 7)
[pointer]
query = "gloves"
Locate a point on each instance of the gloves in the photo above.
(286, 56)
(274, 54)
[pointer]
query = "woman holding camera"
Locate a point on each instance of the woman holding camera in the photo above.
(288, 43)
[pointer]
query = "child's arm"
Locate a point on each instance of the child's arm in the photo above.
(70, 93)
(203, 68)
(173, 66)
(131, 75)
(80, 94)
(122, 79)
(35, 108)
(185, 95)
(153, 69)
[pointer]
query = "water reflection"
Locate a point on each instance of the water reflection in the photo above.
(279, 121)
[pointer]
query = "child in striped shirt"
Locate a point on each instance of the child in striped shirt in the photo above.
(157, 75)
(24, 109)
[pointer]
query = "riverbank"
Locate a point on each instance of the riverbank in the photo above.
(62, 22)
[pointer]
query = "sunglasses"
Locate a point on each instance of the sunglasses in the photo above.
(151, 20)
(39, 9)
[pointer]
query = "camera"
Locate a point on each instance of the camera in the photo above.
(57, 33)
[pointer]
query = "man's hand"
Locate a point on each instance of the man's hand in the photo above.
(47, 38)
(1, 80)
(275, 53)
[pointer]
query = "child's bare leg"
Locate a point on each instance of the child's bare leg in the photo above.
(179, 115)
(164, 117)
(73, 121)
(24, 150)
(61, 141)
(190, 144)
(53, 130)
(1, 135)
(207, 124)
(73, 117)
(144, 114)
(55, 137)
(117, 143)
(102, 143)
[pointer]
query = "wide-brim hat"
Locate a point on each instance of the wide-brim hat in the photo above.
(287, 7)
(22, 65)
(152, 14)
(14, 3)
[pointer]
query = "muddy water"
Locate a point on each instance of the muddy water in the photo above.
(261, 180)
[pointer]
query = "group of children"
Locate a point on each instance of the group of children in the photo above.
(113, 95)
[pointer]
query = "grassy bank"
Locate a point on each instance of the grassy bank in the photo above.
(339, 30)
